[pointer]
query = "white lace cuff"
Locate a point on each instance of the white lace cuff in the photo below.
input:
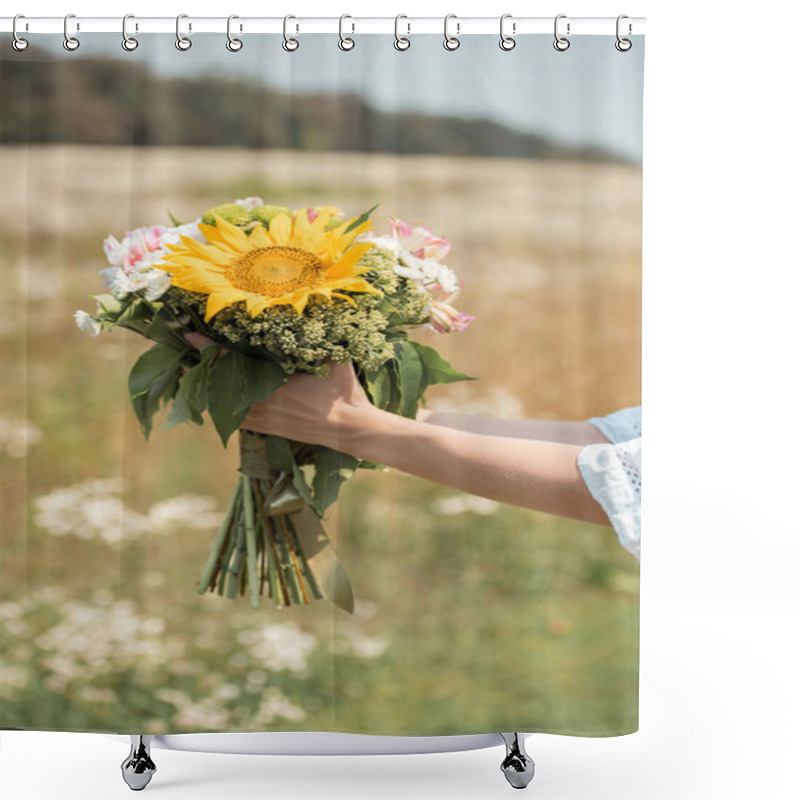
(612, 473)
(620, 426)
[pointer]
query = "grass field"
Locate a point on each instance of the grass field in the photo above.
(470, 616)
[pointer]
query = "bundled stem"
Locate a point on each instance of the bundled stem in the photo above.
(256, 549)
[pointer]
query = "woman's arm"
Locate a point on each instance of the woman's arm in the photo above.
(336, 412)
(543, 429)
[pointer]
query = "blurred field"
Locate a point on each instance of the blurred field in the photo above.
(469, 615)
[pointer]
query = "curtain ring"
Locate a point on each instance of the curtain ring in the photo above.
(70, 42)
(182, 42)
(18, 43)
(289, 44)
(400, 42)
(507, 42)
(129, 43)
(623, 45)
(233, 44)
(451, 42)
(345, 42)
(561, 43)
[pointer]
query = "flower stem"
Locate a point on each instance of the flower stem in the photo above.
(234, 579)
(250, 535)
(213, 565)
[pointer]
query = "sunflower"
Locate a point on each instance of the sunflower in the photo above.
(283, 265)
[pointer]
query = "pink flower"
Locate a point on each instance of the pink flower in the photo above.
(420, 241)
(313, 213)
(137, 245)
(445, 319)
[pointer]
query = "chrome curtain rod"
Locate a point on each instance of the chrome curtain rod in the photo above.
(457, 26)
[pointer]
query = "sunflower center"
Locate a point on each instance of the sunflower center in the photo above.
(274, 271)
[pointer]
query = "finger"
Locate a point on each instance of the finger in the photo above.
(197, 339)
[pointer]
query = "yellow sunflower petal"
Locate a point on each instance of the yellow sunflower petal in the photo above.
(303, 235)
(258, 237)
(280, 230)
(216, 302)
(255, 305)
(354, 285)
(346, 263)
(226, 234)
(344, 297)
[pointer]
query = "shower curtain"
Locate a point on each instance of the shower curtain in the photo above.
(495, 196)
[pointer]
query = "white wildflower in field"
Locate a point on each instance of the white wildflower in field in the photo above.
(89, 510)
(352, 640)
(460, 504)
(94, 509)
(186, 510)
(275, 705)
(279, 647)
(17, 436)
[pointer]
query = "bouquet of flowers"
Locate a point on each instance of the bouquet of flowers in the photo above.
(277, 291)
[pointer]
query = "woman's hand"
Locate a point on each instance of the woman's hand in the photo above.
(310, 409)
(307, 408)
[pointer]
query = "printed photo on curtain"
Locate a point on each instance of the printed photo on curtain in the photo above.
(321, 385)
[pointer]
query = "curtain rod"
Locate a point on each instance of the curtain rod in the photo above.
(459, 26)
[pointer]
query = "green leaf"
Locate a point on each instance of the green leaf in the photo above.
(302, 486)
(379, 386)
(162, 330)
(262, 378)
(370, 465)
(437, 370)
(331, 470)
(173, 220)
(410, 376)
(137, 309)
(182, 409)
(159, 360)
(363, 218)
(157, 387)
(108, 304)
(192, 396)
(226, 392)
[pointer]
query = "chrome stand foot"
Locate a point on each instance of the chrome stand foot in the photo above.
(517, 766)
(138, 768)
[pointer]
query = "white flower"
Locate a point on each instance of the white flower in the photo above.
(459, 504)
(86, 322)
(17, 436)
(132, 260)
(279, 647)
(188, 510)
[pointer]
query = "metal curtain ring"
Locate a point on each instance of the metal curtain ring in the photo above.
(182, 42)
(400, 42)
(561, 43)
(289, 44)
(623, 45)
(70, 42)
(233, 44)
(128, 42)
(451, 42)
(18, 42)
(345, 42)
(507, 42)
